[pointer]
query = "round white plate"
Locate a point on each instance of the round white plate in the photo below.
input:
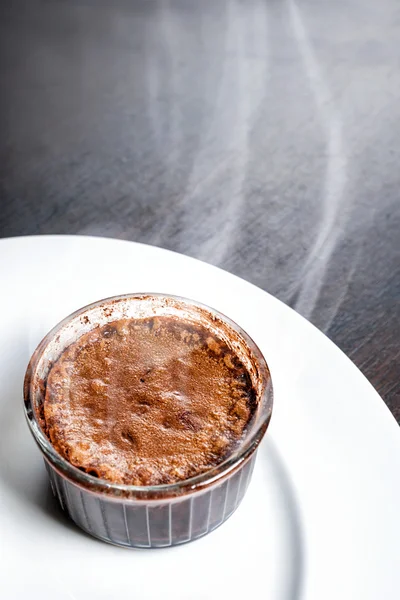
(321, 519)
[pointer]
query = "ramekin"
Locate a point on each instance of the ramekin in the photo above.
(161, 515)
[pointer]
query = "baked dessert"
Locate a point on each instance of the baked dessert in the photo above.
(147, 401)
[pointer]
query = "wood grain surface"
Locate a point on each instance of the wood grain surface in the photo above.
(258, 135)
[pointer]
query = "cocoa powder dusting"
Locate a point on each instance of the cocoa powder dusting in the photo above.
(147, 402)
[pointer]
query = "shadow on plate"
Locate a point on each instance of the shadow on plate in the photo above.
(278, 476)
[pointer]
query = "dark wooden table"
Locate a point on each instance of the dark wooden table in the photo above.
(258, 135)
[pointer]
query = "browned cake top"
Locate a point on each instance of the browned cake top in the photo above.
(146, 402)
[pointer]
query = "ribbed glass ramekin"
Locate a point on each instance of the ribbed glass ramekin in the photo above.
(149, 516)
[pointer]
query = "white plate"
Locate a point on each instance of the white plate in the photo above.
(321, 517)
